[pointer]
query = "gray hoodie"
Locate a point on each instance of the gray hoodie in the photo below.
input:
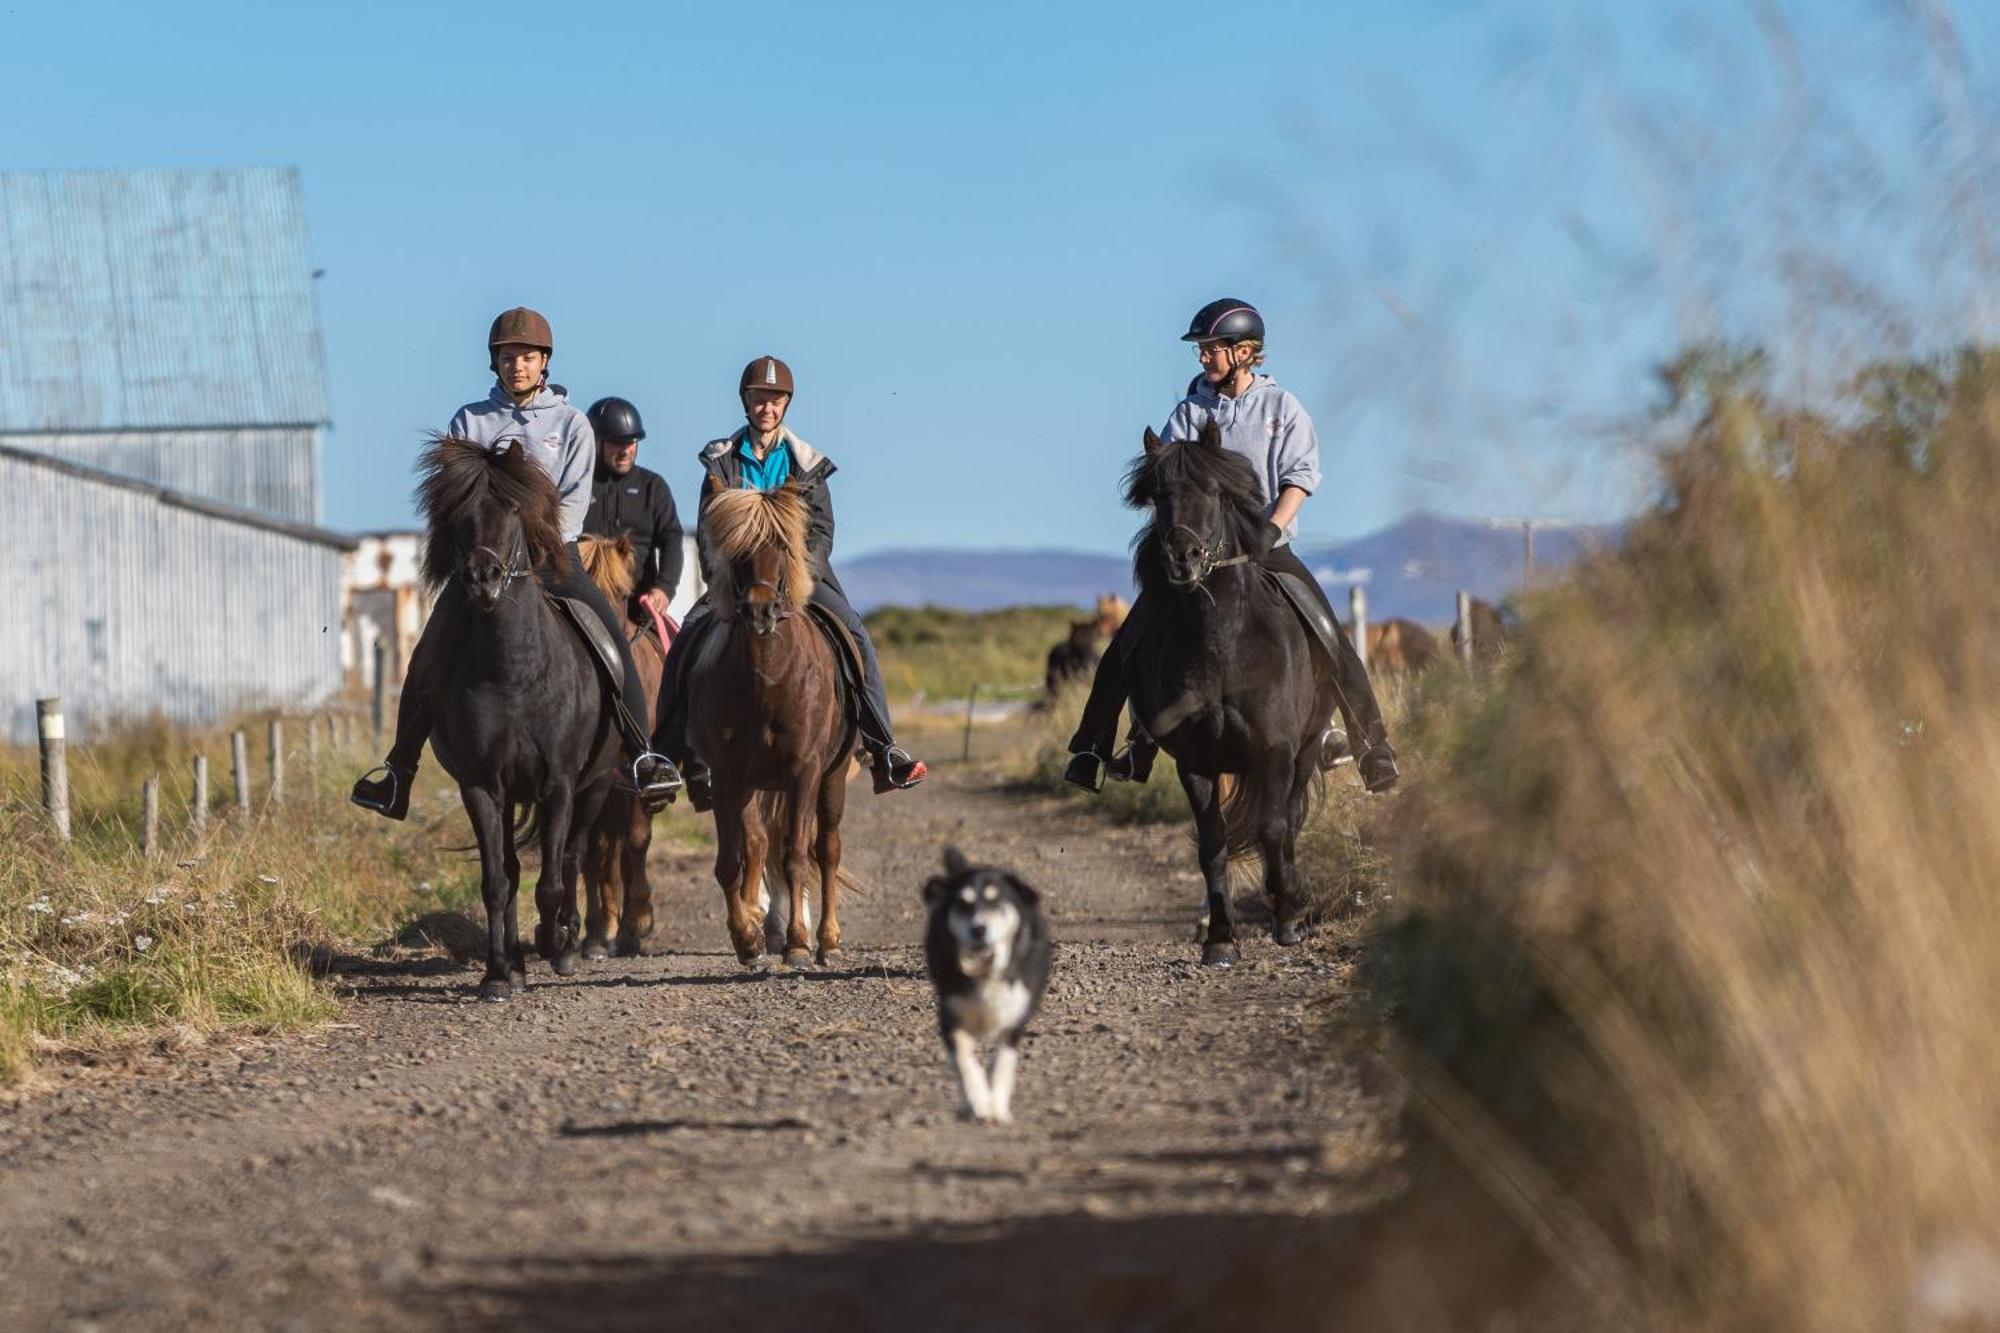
(1266, 425)
(557, 435)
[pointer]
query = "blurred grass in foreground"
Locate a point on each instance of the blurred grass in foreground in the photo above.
(1697, 937)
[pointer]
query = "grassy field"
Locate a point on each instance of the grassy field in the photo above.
(1695, 950)
(941, 654)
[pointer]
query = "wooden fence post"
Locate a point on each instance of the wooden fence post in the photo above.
(312, 741)
(239, 763)
(1464, 627)
(200, 808)
(1357, 611)
(381, 687)
(972, 699)
(55, 764)
(277, 741)
(149, 815)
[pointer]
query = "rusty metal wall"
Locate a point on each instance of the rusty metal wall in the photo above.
(129, 601)
(274, 472)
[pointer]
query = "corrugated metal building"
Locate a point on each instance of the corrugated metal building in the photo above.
(162, 398)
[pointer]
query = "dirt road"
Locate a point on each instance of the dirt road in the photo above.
(667, 1142)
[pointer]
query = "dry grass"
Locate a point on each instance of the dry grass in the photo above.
(1699, 906)
(99, 944)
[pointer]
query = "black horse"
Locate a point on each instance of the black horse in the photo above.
(1224, 676)
(522, 715)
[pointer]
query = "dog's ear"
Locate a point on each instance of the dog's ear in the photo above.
(1025, 890)
(955, 862)
(935, 888)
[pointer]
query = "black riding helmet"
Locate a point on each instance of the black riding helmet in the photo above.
(615, 419)
(1237, 321)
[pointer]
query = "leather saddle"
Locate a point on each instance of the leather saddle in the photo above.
(596, 637)
(1319, 625)
(846, 653)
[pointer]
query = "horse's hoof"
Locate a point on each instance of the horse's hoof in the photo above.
(595, 951)
(1288, 933)
(798, 959)
(630, 948)
(1220, 954)
(832, 958)
(495, 990)
(753, 961)
(517, 982)
(564, 964)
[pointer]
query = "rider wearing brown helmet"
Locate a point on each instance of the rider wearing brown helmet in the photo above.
(523, 408)
(1271, 430)
(764, 454)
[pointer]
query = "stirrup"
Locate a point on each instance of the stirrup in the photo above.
(1086, 770)
(1134, 763)
(1334, 750)
(895, 770)
(658, 790)
(395, 804)
(1378, 768)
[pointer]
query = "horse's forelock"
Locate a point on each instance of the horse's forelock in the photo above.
(455, 476)
(1179, 465)
(739, 522)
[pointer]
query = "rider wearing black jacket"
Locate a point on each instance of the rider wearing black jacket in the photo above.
(627, 500)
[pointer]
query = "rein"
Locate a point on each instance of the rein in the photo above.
(1205, 562)
(512, 568)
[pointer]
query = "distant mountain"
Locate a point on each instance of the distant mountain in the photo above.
(1412, 568)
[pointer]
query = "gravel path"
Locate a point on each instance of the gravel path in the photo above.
(668, 1142)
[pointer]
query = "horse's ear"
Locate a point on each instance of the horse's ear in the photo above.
(1211, 435)
(955, 862)
(714, 484)
(624, 547)
(1152, 441)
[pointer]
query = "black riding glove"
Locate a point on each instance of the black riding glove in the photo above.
(1267, 537)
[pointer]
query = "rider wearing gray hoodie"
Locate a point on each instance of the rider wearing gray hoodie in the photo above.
(524, 408)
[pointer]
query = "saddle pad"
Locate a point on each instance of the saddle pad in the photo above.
(596, 635)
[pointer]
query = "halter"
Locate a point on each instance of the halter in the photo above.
(1205, 561)
(777, 591)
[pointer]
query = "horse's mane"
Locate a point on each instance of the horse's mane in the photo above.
(610, 566)
(455, 476)
(741, 521)
(1183, 465)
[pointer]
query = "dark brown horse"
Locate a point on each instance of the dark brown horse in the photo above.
(618, 895)
(770, 721)
(522, 717)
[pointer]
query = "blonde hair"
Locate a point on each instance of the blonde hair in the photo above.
(741, 521)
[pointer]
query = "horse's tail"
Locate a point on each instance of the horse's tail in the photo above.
(774, 808)
(1249, 798)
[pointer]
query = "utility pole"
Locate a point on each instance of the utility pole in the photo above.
(1527, 526)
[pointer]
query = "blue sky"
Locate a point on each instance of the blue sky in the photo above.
(976, 233)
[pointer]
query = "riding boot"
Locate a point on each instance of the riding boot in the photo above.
(389, 795)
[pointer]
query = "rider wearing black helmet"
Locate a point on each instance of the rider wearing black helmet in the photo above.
(630, 501)
(1271, 430)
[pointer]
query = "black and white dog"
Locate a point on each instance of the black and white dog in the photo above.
(987, 947)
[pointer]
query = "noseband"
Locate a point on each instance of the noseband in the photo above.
(513, 567)
(777, 591)
(1205, 561)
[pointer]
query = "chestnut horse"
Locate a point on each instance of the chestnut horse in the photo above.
(618, 896)
(771, 723)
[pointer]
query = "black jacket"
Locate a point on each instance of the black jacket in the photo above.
(810, 469)
(639, 505)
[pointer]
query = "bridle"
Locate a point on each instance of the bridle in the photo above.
(515, 566)
(1205, 561)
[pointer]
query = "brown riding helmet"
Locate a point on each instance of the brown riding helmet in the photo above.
(521, 326)
(766, 372)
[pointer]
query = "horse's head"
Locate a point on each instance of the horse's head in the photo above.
(493, 517)
(758, 538)
(1204, 502)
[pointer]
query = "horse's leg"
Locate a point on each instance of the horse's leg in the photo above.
(798, 805)
(1204, 793)
(741, 854)
(636, 919)
(569, 921)
(517, 957)
(826, 849)
(601, 894)
(556, 806)
(1274, 840)
(489, 829)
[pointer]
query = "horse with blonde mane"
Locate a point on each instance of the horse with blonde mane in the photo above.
(772, 722)
(618, 895)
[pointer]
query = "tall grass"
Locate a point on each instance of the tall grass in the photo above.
(99, 943)
(1698, 912)
(943, 653)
